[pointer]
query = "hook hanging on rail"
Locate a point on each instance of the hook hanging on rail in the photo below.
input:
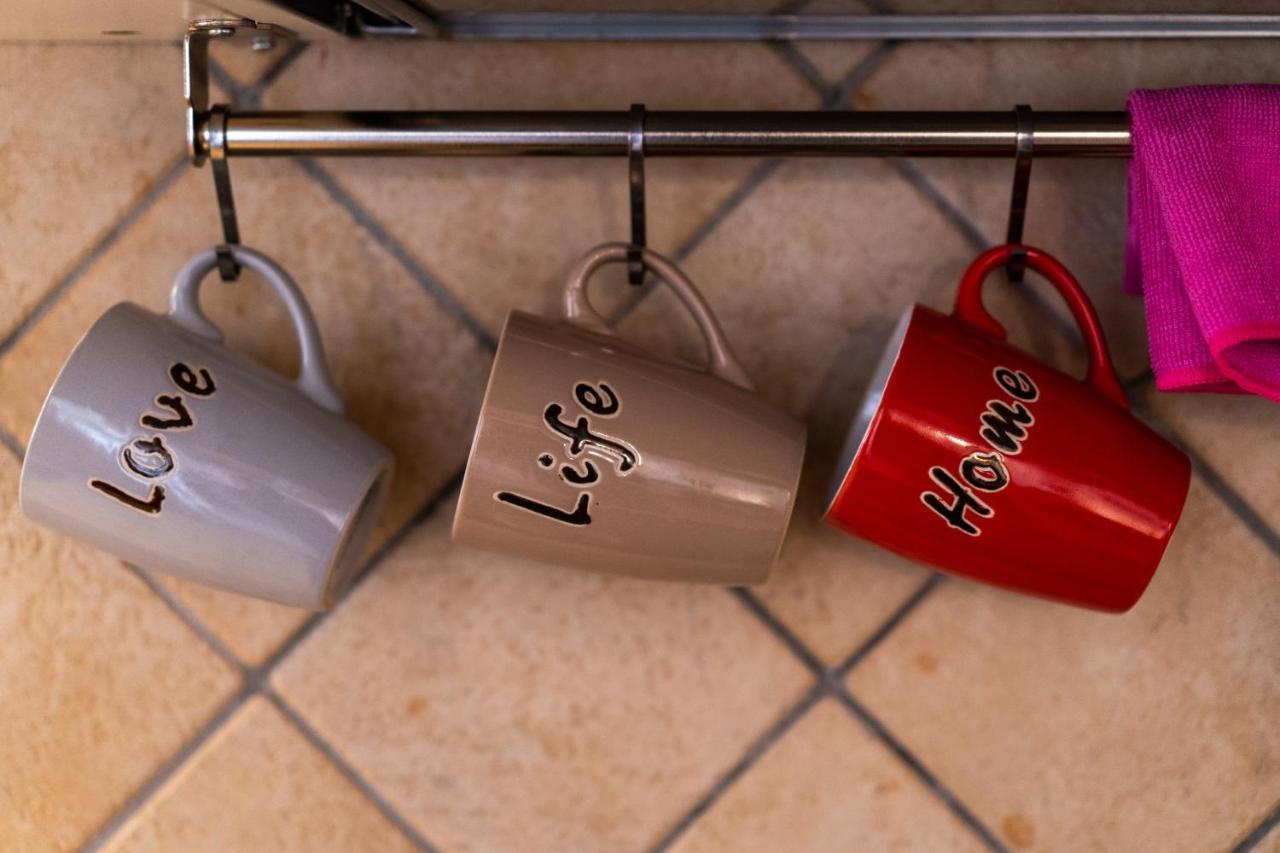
(635, 168)
(1023, 152)
(228, 269)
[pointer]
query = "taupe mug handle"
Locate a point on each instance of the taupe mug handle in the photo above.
(313, 379)
(721, 361)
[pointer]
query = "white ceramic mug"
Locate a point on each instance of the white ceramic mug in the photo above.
(161, 446)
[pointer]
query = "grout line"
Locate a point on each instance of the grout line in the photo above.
(754, 753)
(801, 64)
(1259, 833)
(161, 776)
(840, 96)
(886, 737)
(167, 178)
(972, 234)
(1234, 501)
(263, 672)
(11, 443)
(255, 678)
(349, 772)
(780, 630)
(222, 77)
(183, 612)
(895, 619)
(277, 70)
(856, 76)
(366, 220)
(743, 191)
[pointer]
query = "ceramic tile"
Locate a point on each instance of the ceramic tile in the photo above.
(1062, 728)
(1231, 433)
(60, 192)
(501, 233)
(828, 785)
(99, 683)
(1077, 207)
(808, 279)
(835, 60)
(500, 705)
(411, 373)
(259, 785)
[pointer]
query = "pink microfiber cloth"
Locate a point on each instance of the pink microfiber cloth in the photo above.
(1204, 235)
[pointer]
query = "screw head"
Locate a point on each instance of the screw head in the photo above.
(262, 44)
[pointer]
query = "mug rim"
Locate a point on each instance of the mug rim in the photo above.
(344, 561)
(867, 418)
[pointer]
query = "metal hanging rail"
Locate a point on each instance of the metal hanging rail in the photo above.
(642, 26)
(666, 134)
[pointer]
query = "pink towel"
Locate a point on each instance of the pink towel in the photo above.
(1204, 235)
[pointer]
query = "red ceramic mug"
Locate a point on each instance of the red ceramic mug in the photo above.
(972, 456)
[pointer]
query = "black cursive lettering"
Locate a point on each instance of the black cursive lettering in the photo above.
(593, 401)
(580, 479)
(185, 378)
(984, 471)
(580, 436)
(173, 403)
(156, 460)
(1017, 383)
(953, 514)
(1005, 424)
(579, 516)
(151, 506)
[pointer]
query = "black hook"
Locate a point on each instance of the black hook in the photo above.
(635, 163)
(228, 269)
(1023, 151)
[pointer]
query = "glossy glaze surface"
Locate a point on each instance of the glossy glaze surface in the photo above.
(592, 453)
(264, 492)
(1068, 496)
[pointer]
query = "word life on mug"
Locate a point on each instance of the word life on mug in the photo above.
(147, 459)
(1004, 428)
(578, 437)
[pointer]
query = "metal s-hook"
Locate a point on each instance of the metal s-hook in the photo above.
(228, 268)
(635, 169)
(1023, 152)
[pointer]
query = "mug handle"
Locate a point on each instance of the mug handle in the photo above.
(184, 309)
(721, 361)
(1101, 374)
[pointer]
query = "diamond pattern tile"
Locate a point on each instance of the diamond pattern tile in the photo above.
(1232, 433)
(828, 785)
(411, 373)
(499, 705)
(60, 192)
(278, 790)
(99, 683)
(808, 278)
(500, 233)
(1077, 207)
(1063, 729)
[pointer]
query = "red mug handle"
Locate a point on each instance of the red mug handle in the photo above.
(1101, 373)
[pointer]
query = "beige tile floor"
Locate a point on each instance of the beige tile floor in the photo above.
(461, 701)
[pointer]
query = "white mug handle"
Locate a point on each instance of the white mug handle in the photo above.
(721, 361)
(184, 309)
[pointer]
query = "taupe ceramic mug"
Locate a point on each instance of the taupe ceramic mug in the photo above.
(593, 453)
(161, 446)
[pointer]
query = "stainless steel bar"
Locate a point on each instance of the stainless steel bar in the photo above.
(669, 134)
(642, 26)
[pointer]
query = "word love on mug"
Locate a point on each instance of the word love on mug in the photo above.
(1004, 428)
(148, 459)
(579, 437)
